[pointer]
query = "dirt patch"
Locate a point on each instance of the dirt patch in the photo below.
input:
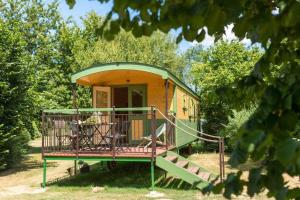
(27, 177)
(20, 189)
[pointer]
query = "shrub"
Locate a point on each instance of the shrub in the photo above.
(235, 121)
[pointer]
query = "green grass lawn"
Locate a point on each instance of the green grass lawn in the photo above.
(128, 181)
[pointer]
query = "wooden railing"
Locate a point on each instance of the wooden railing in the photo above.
(171, 118)
(110, 131)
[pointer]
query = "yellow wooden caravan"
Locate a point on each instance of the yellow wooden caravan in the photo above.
(140, 113)
(129, 85)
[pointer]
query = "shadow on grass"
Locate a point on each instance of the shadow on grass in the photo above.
(34, 150)
(28, 162)
(126, 175)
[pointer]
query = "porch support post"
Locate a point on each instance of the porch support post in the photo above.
(167, 111)
(43, 133)
(113, 131)
(77, 116)
(152, 175)
(44, 173)
(166, 96)
(153, 137)
(153, 133)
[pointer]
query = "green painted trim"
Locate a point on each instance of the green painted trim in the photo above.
(182, 173)
(152, 176)
(171, 153)
(183, 138)
(163, 72)
(118, 159)
(44, 173)
(74, 111)
(142, 116)
(143, 87)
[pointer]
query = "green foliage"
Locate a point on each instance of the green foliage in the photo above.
(38, 53)
(159, 49)
(34, 71)
(214, 68)
(235, 122)
(275, 25)
(222, 65)
(14, 85)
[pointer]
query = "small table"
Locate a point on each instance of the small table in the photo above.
(89, 130)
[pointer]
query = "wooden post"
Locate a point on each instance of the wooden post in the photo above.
(220, 160)
(167, 112)
(113, 131)
(223, 154)
(166, 96)
(173, 131)
(77, 118)
(153, 130)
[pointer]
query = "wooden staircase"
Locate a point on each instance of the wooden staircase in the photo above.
(186, 170)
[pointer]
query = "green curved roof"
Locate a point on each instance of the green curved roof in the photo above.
(163, 72)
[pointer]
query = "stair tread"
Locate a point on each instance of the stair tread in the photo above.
(204, 175)
(193, 170)
(217, 181)
(182, 163)
(171, 158)
(186, 170)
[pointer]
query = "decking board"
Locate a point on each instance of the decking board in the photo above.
(159, 151)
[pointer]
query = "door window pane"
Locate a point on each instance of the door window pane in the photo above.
(101, 99)
(137, 99)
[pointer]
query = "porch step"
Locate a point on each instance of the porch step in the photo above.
(182, 163)
(193, 170)
(171, 158)
(204, 175)
(186, 170)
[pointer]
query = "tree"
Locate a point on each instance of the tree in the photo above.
(216, 67)
(271, 134)
(14, 87)
(39, 52)
(34, 69)
(159, 50)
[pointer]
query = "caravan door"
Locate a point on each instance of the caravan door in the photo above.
(101, 97)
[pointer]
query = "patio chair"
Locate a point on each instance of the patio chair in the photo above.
(58, 127)
(74, 133)
(121, 134)
(159, 132)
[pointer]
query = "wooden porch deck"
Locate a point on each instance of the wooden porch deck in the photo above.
(131, 152)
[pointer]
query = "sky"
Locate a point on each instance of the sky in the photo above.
(82, 7)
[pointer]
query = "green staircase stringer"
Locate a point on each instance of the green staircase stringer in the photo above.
(184, 169)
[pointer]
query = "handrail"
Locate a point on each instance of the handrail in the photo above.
(219, 140)
(73, 111)
(212, 136)
(208, 140)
